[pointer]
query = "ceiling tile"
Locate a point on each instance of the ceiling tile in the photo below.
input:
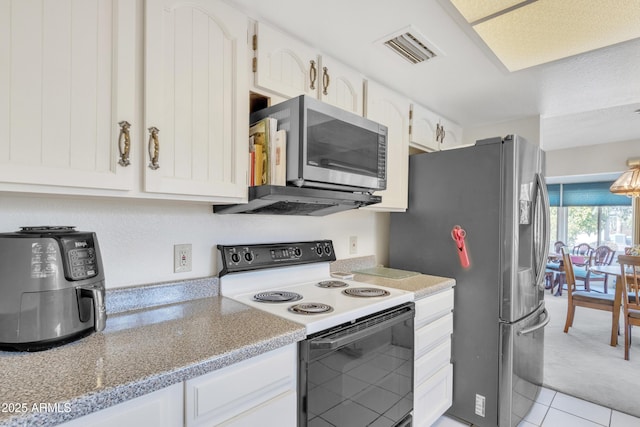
(548, 30)
(473, 10)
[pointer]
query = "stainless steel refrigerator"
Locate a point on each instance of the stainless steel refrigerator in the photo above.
(480, 214)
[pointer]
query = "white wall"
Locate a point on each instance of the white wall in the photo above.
(137, 236)
(528, 128)
(593, 159)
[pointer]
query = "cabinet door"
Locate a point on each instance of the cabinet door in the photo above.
(283, 65)
(340, 85)
(66, 80)
(263, 387)
(433, 397)
(392, 110)
(162, 408)
(452, 135)
(196, 99)
(423, 129)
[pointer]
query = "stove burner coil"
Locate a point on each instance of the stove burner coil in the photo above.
(310, 308)
(277, 296)
(332, 284)
(365, 292)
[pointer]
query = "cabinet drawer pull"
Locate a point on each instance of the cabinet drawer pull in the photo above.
(325, 80)
(313, 74)
(154, 148)
(124, 143)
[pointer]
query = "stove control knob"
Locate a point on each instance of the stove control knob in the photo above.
(297, 252)
(235, 258)
(248, 256)
(319, 250)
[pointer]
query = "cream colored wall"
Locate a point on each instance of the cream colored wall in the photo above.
(528, 128)
(593, 159)
(137, 236)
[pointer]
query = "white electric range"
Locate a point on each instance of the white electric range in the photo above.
(293, 280)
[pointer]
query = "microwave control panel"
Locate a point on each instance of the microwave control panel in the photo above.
(238, 258)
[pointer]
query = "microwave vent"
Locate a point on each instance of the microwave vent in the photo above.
(411, 45)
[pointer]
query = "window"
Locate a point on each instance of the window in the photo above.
(590, 213)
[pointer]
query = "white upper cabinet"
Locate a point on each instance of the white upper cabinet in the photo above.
(66, 80)
(424, 124)
(196, 101)
(452, 134)
(340, 85)
(392, 110)
(286, 67)
(430, 132)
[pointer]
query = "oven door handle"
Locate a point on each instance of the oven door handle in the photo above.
(361, 330)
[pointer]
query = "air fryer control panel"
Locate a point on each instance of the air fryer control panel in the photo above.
(239, 258)
(80, 260)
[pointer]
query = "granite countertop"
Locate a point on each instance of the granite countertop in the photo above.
(156, 336)
(422, 285)
(139, 352)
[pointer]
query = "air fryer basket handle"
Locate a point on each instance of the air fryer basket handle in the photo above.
(99, 309)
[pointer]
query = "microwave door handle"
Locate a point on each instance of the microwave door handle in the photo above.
(335, 164)
(99, 309)
(329, 343)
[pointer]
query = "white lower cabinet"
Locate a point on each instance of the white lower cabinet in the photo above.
(259, 391)
(162, 408)
(433, 371)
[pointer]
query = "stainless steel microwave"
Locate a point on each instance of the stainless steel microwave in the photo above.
(328, 147)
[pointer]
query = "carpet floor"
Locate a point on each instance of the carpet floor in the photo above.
(583, 364)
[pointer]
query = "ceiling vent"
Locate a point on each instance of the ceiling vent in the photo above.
(411, 45)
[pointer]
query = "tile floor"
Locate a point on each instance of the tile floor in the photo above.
(555, 409)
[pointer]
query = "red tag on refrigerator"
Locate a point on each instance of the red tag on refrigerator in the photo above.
(458, 234)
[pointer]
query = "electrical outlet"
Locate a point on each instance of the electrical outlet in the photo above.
(182, 258)
(353, 244)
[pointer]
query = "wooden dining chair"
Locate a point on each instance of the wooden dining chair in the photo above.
(580, 268)
(602, 255)
(585, 299)
(630, 282)
(583, 249)
(553, 266)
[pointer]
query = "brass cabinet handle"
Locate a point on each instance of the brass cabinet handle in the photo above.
(313, 74)
(124, 143)
(325, 80)
(154, 147)
(440, 133)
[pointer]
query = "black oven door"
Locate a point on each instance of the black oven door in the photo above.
(359, 374)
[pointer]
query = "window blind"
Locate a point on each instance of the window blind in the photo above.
(554, 194)
(585, 194)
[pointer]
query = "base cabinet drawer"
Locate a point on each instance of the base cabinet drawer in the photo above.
(427, 365)
(274, 412)
(162, 408)
(260, 387)
(435, 306)
(433, 397)
(431, 335)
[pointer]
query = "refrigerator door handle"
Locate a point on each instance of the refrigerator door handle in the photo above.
(540, 325)
(546, 233)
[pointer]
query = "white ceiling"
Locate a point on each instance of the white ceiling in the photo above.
(582, 100)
